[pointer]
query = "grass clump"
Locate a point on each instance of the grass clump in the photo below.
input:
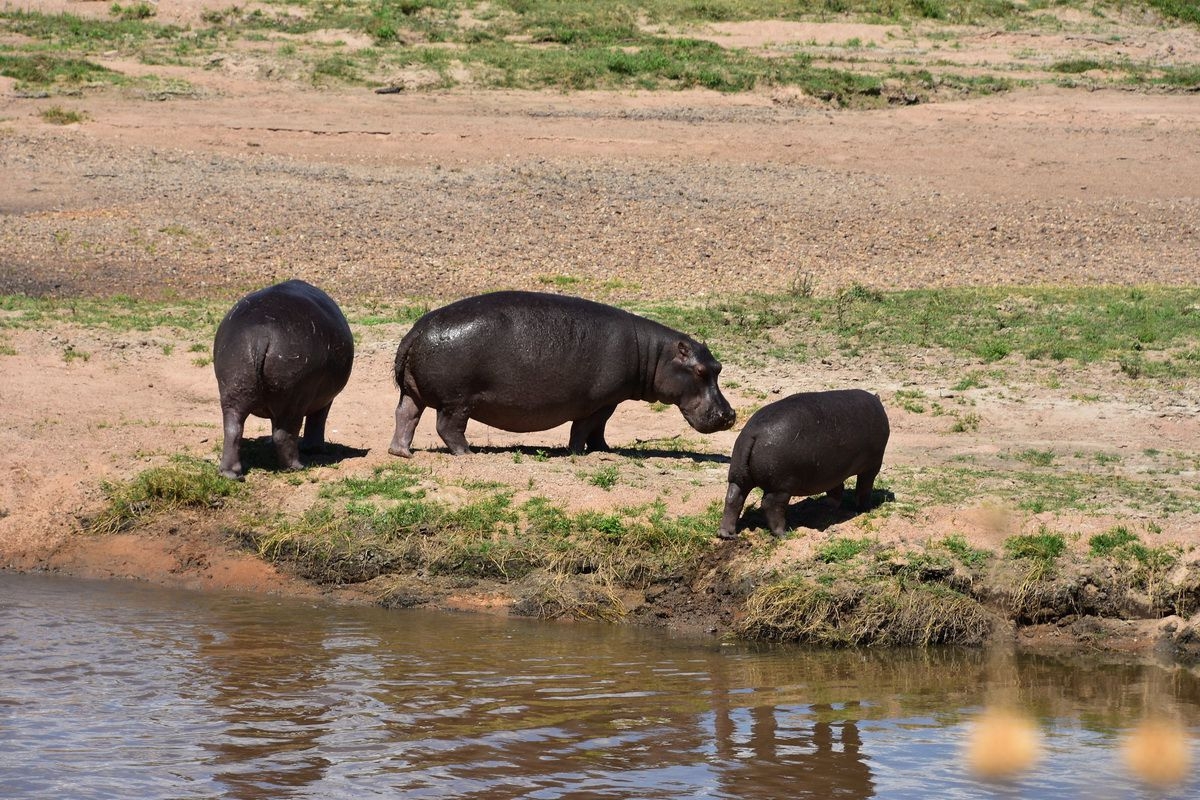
(1145, 567)
(57, 115)
(851, 613)
(961, 549)
(841, 549)
(1043, 546)
(184, 482)
(43, 69)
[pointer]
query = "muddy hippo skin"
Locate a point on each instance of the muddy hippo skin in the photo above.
(526, 361)
(283, 353)
(803, 445)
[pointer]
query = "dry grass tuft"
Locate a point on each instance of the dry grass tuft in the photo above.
(881, 612)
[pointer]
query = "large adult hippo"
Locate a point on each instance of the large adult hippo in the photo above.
(527, 361)
(803, 445)
(283, 353)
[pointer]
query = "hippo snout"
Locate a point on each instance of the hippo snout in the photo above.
(717, 417)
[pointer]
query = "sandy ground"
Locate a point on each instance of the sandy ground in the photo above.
(674, 196)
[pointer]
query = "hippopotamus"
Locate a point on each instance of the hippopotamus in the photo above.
(283, 353)
(803, 445)
(529, 361)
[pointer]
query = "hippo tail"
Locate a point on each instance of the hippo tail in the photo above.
(739, 460)
(402, 355)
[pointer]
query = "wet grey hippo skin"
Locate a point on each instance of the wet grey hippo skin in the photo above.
(283, 353)
(803, 445)
(527, 361)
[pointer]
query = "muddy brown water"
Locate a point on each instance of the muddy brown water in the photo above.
(111, 689)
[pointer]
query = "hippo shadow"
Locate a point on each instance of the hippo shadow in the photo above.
(545, 453)
(259, 454)
(815, 513)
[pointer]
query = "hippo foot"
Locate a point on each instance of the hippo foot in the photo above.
(318, 447)
(231, 475)
(403, 452)
(727, 535)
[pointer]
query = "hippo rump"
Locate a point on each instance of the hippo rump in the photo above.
(527, 361)
(803, 445)
(283, 353)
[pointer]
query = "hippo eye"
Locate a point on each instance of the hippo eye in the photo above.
(701, 371)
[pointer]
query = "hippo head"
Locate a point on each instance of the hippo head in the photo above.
(688, 379)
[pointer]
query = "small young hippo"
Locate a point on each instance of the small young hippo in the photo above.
(803, 445)
(283, 353)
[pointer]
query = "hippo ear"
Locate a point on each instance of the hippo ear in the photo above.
(685, 351)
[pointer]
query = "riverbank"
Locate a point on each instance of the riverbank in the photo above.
(1043, 500)
(1012, 272)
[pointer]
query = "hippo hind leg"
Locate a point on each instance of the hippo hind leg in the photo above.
(234, 422)
(452, 427)
(408, 414)
(314, 431)
(735, 501)
(285, 432)
(865, 485)
(588, 433)
(774, 506)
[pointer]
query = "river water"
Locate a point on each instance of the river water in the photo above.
(117, 690)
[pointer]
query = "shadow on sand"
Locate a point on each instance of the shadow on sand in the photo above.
(545, 453)
(815, 513)
(259, 454)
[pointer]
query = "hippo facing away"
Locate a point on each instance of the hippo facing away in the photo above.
(527, 361)
(283, 353)
(803, 445)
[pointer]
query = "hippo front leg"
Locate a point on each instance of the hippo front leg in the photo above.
(735, 500)
(408, 414)
(588, 433)
(234, 422)
(314, 431)
(286, 435)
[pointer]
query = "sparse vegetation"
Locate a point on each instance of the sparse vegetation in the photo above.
(651, 44)
(363, 528)
(605, 477)
(1044, 547)
(184, 482)
(57, 115)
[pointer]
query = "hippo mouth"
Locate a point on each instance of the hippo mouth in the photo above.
(716, 420)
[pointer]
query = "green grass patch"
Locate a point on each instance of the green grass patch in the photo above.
(1036, 458)
(606, 477)
(57, 115)
(1183, 10)
(86, 34)
(1043, 546)
(961, 549)
(841, 549)
(184, 482)
(116, 313)
(43, 69)
(1125, 546)
(393, 521)
(1154, 328)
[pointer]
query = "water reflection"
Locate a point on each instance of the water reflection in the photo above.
(118, 690)
(268, 685)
